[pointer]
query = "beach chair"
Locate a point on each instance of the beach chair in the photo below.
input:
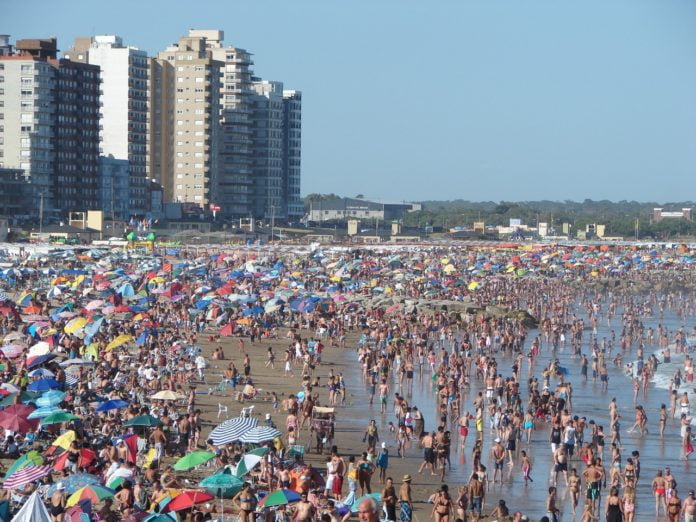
(223, 408)
(220, 388)
(296, 451)
(246, 412)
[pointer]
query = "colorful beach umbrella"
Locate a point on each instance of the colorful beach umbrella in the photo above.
(44, 385)
(14, 418)
(193, 459)
(74, 482)
(188, 499)
(223, 485)
(94, 493)
(25, 476)
(280, 497)
(260, 434)
(111, 405)
(50, 398)
(31, 458)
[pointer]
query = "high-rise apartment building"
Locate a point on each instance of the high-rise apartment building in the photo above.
(124, 111)
(185, 107)
(292, 154)
(268, 118)
(49, 119)
(235, 167)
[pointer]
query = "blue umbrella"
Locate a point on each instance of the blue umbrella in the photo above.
(74, 482)
(50, 398)
(111, 405)
(44, 385)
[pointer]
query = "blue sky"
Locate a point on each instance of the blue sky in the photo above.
(481, 100)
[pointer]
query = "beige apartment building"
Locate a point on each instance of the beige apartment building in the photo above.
(185, 109)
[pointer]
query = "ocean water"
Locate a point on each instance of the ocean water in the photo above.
(588, 401)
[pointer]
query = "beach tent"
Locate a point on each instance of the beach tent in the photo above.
(33, 510)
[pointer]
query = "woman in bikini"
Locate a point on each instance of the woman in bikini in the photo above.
(246, 502)
(442, 505)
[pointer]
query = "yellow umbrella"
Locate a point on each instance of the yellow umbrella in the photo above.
(157, 279)
(76, 324)
(449, 269)
(119, 341)
(64, 440)
(473, 285)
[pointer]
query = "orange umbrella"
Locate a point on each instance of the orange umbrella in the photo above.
(32, 310)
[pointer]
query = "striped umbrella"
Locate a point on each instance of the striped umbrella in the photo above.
(25, 476)
(260, 434)
(232, 430)
(45, 411)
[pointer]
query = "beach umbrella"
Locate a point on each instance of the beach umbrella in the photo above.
(61, 443)
(119, 341)
(94, 493)
(116, 482)
(25, 475)
(223, 485)
(161, 517)
(41, 372)
(111, 405)
(58, 418)
(31, 458)
(85, 457)
(76, 362)
(14, 418)
(261, 452)
(193, 459)
(167, 395)
(231, 430)
(246, 464)
(280, 497)
(50, 398)
(13, 350)
(93, 305)
(33, 510)
(76, 324)
(44, 385)
(40, 348)
(188, 499)
(143, 420)
(260, 434)
(38, 360)
(74, 482)
(44, 411)
(10, 388)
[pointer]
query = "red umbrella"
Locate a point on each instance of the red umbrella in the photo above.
(188, 499)
(86, 457)
(14, 418)
(228, 329)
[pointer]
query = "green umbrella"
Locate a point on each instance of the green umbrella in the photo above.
(57, 418)
(261, 452)
(27, 396)
(280, 497)
(222, 485)
(143, 420)
(193, 459)
(32, 458)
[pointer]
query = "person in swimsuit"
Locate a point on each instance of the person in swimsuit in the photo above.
(629, 503)
(659, 488)
(58, 503)
(246, 502)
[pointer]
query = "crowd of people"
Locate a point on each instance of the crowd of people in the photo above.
(107, 361)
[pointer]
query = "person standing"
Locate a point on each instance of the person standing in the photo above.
(406, 503)
(389, 500)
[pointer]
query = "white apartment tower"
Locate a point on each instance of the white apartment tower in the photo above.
(27, 119)
(185, 100)
(124, 109)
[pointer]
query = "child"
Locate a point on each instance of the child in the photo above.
(526, 468)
